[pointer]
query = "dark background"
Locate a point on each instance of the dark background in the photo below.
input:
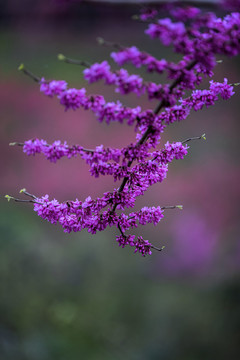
(81, 296)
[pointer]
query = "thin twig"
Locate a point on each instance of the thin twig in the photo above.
(47, 145)
(103, 42)
(29, 73)
(203, 136)
(8, 197)
(27, 193)
(73, 61)
(158, 249)
(172, 207)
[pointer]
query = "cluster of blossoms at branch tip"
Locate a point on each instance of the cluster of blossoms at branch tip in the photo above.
(199, 37)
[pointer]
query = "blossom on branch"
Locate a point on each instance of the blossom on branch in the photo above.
(199, 37)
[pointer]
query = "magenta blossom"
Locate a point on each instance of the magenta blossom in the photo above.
(198, 38)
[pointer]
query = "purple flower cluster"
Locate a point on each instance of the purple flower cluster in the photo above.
(98, 72)
(171, 151)
(167, 31)
(142, 246)
(124, 82)
(52, 88)
(201, 42)
(76, 98)
(138, 59)
(73, 98)
(76, 215)
(107, 161)
(199, 37)
(52, 152)
(148, 13)
(208, 36)
(199, 98)
(184, 14)
(196, 101)
(149, 215)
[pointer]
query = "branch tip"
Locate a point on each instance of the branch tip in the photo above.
(100, 40)
(21, 67)
(8, 197)
(12, 144)
(179, 207)
(22, 191)
(135, 17)
(158, 249)
(61, 57)
(203, 137)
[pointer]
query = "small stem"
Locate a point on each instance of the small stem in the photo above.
(19, 200)
(73, 61)
(194, 138)
(47, 145)
(24, 191)
(158, 249)
(8, 197)
(22, 200)
(103, 42)
(172, 207)
(29, 73)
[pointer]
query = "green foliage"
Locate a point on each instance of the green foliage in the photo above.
(67, 302)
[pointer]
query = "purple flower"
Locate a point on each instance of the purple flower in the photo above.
(53, 87)
(131, 54)
(73, 98)
(32, 147)
(142, 246)
(184, 14)
(167, 31)
(171, 151)
(56, 151)
(224, 89)
(129, 83)
(148, 13)
(149, 215)
(138, 59)
(98, 72)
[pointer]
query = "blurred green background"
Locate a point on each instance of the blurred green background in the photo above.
(80, 296)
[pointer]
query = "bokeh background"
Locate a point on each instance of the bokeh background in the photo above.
(80, 296)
